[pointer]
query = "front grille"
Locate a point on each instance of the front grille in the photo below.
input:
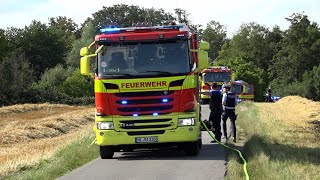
(145, 101)
(141, 109)
(145, 133)
(145, 121)
(147, 126)
(143, 94)
(140, 114)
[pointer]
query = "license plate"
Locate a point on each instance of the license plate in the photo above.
(146, 139)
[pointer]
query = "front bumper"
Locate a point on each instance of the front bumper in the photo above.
(180, 134)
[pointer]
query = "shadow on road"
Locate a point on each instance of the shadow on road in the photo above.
(208, 152)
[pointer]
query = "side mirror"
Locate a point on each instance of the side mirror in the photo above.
(85, 66)
(84, 51)
(204, 45)
(203, 60)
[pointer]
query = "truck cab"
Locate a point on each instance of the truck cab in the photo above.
(243, 90)
(214, 74)
(146, 87)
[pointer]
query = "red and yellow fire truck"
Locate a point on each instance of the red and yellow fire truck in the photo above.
(146, 87)
(217, 74)
(243, 90)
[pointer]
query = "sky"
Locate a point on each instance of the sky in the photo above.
(231, 13)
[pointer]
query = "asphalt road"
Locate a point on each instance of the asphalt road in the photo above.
(166, 164)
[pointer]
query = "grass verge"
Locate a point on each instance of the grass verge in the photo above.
(274, 149)
(68, 158)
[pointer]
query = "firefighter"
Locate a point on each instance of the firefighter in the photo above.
(215, 110)
(229, 104)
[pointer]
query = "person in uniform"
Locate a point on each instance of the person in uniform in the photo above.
(229, 106)
(215, 110)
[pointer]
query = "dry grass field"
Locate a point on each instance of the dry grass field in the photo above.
(295, 115)
(282, 140)
(32, 132)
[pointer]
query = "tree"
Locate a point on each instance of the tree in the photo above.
(4, 45)
(77, 85)
(87, 37)
(311, 83)
(182, 16)
(65, 27)
(250, 73)
(43, 47)
(216, 35)
(300, 51)
(249, 53)
(125, 16)
(54, 77)
(16, 78)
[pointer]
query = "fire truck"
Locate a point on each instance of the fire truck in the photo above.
(243, 90)
(146, 87)
(217, 74)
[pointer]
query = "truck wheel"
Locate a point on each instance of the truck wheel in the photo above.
(192, 148)
(106, 152)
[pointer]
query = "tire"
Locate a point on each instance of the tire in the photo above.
(106, 152)
(192, 148)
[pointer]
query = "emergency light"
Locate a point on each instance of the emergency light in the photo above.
(116, 29)
(110, 30)
(165, 100)
(124, 102)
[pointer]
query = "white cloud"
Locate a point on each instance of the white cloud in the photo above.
(229, 12)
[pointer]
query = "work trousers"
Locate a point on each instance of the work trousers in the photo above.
(215, 118)
(229, 113)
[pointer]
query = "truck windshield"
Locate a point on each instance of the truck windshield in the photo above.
(216, 77)
(144, 59)
(236, 88)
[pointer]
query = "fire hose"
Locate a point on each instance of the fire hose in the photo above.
(239, 152)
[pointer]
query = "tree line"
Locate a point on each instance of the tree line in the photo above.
(40, 62)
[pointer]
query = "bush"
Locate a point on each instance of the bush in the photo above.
(54, 77)
(77, 86)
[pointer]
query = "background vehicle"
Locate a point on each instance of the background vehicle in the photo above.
(147, 88)
(217, 74)
(243, 90)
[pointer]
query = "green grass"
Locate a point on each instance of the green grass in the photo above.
(268, 153)
(70, 157)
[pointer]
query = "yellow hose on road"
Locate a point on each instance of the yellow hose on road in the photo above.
(239, 153)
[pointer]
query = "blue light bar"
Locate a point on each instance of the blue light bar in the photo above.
(124, 102)
(165, 100)
(110, 30)
(155, 114)
(135, 115)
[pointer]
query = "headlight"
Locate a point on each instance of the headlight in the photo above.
(105, 125)
(186, 122)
